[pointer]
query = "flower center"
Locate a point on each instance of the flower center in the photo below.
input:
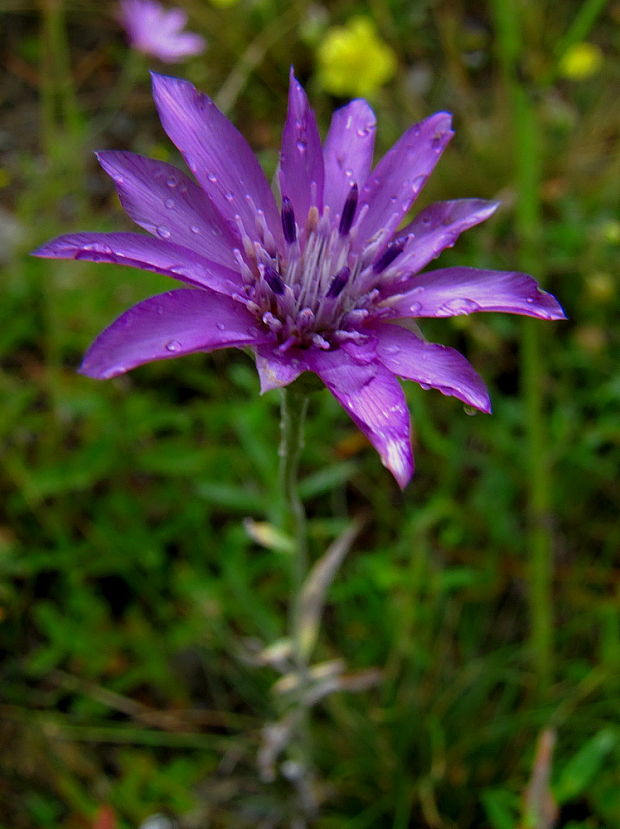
(319, 288)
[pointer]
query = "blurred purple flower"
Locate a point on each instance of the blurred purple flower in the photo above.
(327, 283)
(157, 31)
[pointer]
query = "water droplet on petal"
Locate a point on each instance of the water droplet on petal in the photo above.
(169, 203)
(302, 145)
(417, 184)
(195, 229)
(171, 181)
(212, 178)
(229, 196)
(458, 306)
(173, 345)
(163, 232)
(415, 308)
(220, 326)
(425, 386)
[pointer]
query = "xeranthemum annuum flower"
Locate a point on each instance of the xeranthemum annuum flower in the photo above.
(154, 30)
(327, 283)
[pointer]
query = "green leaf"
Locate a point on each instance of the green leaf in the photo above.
(579, 772)
(501, 808)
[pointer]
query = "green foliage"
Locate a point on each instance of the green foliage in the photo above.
(132, 600)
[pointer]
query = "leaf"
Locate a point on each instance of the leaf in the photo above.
(312, 595)
(583, 767)
(268, 536)
(501, 808)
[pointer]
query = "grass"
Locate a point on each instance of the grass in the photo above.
(131, 597)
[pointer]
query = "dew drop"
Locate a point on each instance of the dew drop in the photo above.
(458, 306)
(171, 181)
(302, 145)
(173, 345)
(212, 178)
(229, 196)
(415, 308)
(348, 173)
(417, 184)
(415, 130)
(195, 229)
(363, 132)
(169, 203)
(425, 386)
(163, 232)
(220, 326)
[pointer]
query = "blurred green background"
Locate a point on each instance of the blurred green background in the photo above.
(487, 593)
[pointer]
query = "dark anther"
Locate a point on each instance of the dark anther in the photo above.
(274, 280)
(338, 283)
(389, 254)
(288, 221)
(348, 211)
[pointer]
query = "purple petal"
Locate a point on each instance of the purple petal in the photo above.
(401, 174)
(373, 398)
(146, 253)
(453, 291)
(276, 370)
(170, 325)
(436, 366)
(164, 201)
(216, 153)
(438, 227)
(301, 160)
(347, 152)
(156, 31)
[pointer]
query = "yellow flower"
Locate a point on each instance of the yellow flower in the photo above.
(353, 60)
(581, 61)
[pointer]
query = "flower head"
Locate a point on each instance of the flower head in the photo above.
(157, 31)
(327, 282)
(581, 61)
(353, 60)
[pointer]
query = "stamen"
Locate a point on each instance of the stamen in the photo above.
(320, 342)
(338, 283)
(344, 336)
(272, 322)
(348, 211)
(392, 250)
(313, 219)
(305, 319)
(289, 227)
(273, 279)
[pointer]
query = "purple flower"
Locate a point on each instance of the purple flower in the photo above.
(327, 283)
(157, 31)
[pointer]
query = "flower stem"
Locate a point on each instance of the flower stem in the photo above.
(299, 766)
